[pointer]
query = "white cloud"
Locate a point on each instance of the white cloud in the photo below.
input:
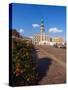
(55, 30)
(21, 31)
(35, 25)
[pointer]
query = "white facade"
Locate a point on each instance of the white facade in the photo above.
(41, 39)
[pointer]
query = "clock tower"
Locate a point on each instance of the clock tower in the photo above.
(42, 37)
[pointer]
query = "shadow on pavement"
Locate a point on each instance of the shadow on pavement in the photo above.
(43, 65)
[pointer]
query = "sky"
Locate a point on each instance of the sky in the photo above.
(26, 19)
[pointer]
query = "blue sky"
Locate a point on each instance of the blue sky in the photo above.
(26, 19)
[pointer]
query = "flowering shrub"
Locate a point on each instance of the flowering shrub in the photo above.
(23, 64)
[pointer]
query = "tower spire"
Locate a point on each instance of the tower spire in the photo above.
(42, 25)
(42, 29)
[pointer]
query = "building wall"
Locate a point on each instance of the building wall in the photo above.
(57, 40)
(46, 40)
(37, 39)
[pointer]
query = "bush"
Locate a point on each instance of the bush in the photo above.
(23, 65)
